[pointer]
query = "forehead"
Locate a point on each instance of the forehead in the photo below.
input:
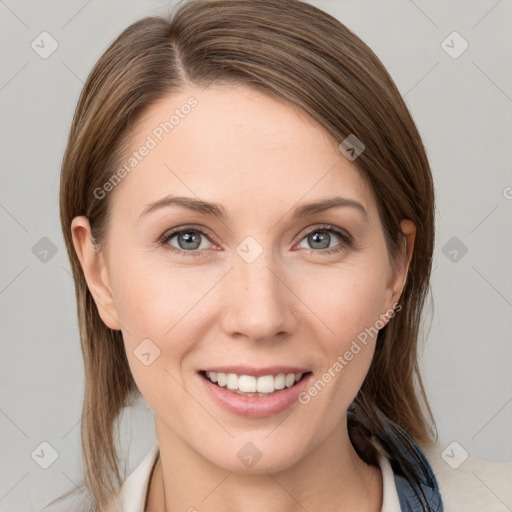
(235, 146)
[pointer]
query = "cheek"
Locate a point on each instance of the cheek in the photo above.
(161, 308)
(156, 310)
(349, 302)
(347, 299)
(153, 297)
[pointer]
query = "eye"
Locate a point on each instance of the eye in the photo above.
(321, 239)
(189, 241)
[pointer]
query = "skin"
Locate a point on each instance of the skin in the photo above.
(259, 157)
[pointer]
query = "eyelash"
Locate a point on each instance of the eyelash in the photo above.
(346, 238)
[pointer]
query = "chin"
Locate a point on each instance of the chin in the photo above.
(255, 457)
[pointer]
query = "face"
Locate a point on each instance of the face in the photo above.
(257, 282)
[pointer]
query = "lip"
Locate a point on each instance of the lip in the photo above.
(255, 406)
(257, 372)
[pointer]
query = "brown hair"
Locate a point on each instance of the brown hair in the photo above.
(293, 51)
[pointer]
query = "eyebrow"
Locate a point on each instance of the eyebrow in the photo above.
(218, 211)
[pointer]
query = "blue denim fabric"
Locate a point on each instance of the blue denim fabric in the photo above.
(410, 493)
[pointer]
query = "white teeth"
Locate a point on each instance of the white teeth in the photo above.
(280, 381)
(232, 381)
(290, 380)
(249, 384)
(221, 379)
(266, 384)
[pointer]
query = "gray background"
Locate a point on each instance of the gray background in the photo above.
(462, 107)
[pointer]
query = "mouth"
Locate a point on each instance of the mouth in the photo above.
(255, 385)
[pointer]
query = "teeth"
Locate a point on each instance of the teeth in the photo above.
(249, 384)
(290, 380)
(232, 381)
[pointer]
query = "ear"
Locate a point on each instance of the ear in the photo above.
(398, 278)
(95, 271)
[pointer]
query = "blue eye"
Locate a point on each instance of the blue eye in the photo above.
(188, 239)
(321, 237)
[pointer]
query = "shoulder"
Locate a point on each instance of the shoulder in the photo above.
(470, 483)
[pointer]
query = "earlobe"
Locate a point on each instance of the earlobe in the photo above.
(95, 271)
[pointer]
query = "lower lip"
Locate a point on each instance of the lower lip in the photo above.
(256, 406)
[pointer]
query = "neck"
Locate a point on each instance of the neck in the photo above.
(331, 477)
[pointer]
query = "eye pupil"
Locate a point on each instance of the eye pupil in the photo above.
(320, 237)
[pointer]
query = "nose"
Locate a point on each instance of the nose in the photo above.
(257, 301)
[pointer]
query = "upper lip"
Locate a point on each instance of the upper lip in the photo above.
(257, 372)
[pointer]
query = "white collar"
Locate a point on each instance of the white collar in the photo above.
(133, 493)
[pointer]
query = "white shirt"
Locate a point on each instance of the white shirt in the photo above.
(132, 495)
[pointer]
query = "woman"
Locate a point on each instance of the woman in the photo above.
(249, 213)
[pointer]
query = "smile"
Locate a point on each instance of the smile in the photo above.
(251, 385)
(254, 404)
